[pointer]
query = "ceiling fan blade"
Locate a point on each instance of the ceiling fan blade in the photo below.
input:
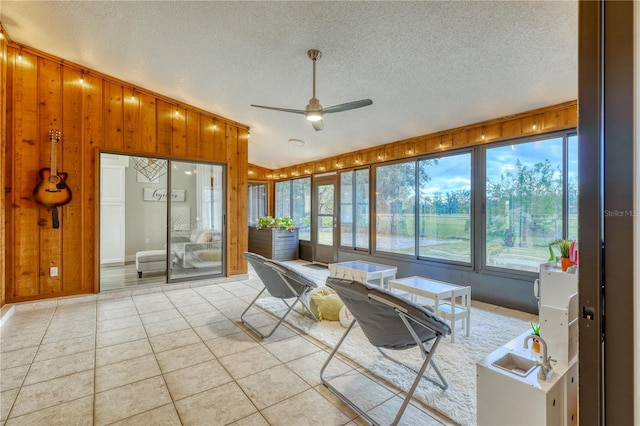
(347, 106)
(295, 111)
(317, 125)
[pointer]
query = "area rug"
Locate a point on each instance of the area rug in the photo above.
(491, 327)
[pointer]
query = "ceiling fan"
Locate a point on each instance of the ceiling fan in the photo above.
(314, 110)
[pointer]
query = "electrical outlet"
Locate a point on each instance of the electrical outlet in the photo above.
(148, 241)
(53, 271)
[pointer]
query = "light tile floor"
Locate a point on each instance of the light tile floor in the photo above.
(172, 355)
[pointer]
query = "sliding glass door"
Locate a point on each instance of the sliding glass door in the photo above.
(160, 220)
(196, 220)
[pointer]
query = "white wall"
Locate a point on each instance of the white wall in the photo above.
(146, 221)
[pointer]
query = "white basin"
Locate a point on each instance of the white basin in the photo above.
(515, 364)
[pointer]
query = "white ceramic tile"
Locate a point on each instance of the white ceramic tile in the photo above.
(167, 326)
(159, 316)
(78, 412)
(129, 400)
(18, 357)
(69, 330)
(118, 323)
(271, 386)
(197, 378)
(413, 415)
(12, 378)
(6, 401)
(37, 305)
(231, 344)
(365, 392)
(120, 336)
(65, 347)
(41, 371)
(218, 329)
(231, 404)
(249, 362)
(117, 353)
(184, 356)
(289, 349)
(255, 419)
(211, 317)
(308, 367)
(164, 342)
(165, 415)
(12, 343)
(122, 373)
(125, 311)
(200, 308)
(305, 409)
(53, 392)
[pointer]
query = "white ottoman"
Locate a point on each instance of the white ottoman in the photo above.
(151, 260)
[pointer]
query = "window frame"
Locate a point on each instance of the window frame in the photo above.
(481, 192)
(289, 183)
(354, 246)
(472, 205)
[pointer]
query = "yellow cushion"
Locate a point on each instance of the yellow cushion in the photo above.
(325, 304)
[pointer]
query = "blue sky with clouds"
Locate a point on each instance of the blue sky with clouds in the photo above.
(454, 172)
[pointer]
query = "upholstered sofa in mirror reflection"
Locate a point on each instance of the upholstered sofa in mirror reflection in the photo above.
(203, 249)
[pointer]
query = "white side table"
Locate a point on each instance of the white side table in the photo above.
(359, 270)
(452, 302)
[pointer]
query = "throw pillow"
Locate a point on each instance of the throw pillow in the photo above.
(204, 237)
(345, 317)
(325, 304)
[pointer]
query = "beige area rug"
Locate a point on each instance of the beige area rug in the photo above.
(491, 327)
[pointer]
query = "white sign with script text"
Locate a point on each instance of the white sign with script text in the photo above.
(160, 194)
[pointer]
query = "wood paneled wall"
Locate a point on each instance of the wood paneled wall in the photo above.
(3, 165)
(536, 122)
(94, 112)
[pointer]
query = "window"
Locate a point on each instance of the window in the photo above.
(354, 221)
(293, 199)
(572, 188)
(257, 202)
(524, 202)
(445, 207)
(283, 199)
(395, 208)
(301, 207)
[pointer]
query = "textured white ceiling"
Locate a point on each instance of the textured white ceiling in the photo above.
(427, 66)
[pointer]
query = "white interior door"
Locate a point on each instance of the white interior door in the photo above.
(112, 214)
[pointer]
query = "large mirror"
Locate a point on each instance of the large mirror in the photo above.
(160, 220)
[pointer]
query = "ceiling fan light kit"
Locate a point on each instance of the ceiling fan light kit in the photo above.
(314, 111)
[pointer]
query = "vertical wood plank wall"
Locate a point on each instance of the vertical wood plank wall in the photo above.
(94, 112)
(4, 117)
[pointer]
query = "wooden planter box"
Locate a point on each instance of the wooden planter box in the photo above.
(274, 243)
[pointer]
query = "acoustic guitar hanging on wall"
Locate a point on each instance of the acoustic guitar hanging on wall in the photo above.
(52, 190)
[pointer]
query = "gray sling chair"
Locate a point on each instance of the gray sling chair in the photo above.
(281, 281)
(389, 322)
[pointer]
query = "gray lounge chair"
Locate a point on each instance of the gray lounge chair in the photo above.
(282, 282)
(389, 322)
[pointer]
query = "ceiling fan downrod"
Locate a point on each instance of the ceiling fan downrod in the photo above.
(314, 109)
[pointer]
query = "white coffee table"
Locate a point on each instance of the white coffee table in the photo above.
(452, 302)
(359, 270)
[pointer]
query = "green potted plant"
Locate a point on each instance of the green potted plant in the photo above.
(274, 238)
(276, 222)
(564, 246)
